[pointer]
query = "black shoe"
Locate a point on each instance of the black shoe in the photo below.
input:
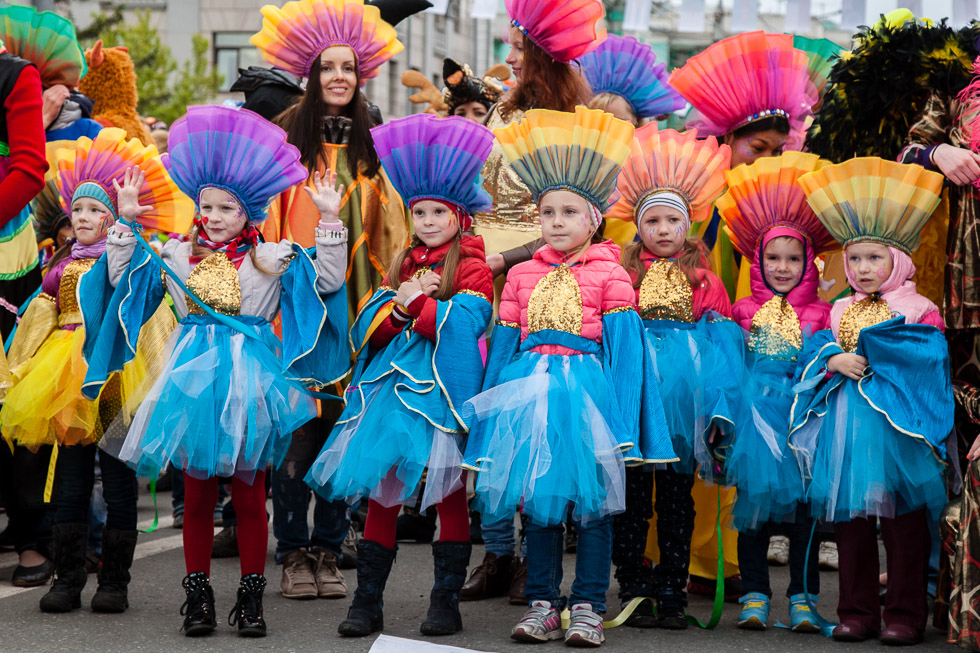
(643, 616)
(69, 542)
(571, 537)
(247, 613)
(415, 527)
(451, 559)
(670, 610)
(365, 613)
(33, 576)
(198, 609)
(225, 543)
(118, 548)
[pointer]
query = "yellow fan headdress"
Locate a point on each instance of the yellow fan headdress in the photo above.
(581, 152)
(874, 199)
(765, 195)
(664, 165)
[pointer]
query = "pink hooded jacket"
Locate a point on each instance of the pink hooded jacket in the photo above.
(604, 285)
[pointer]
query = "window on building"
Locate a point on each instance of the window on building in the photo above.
(233, 51)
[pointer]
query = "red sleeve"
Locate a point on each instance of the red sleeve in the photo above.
(25, 132)
(711, 296)
(472, 276)
(934, 319)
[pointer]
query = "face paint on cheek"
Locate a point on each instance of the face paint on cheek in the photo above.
(105, 221)
(881, 273)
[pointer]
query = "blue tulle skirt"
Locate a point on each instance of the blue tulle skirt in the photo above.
(863, 466)
(383, 451)
(548, 435)
(760, 463)
(221, 406)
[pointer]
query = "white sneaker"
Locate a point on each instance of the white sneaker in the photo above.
(778, 553)
(584, 628)
(540, 623)
(827, 556)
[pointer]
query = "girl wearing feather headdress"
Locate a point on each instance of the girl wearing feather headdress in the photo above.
(46, 405)
(229, 394)
(418, 360)
(874, 405)
(770, 224)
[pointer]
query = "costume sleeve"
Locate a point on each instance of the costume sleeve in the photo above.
(388, 329)
(622, 349)
(931, 129)
(472, 277)
(934, 319)
(331, 258)
(618, 292)
(711, 295)
(521, 253)
(25, 131)
(120, 245)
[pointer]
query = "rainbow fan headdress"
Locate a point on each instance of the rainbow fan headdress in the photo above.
(582, 152)
(765, 195)
(235, 150)
(93, 165)
(874, 199)
(628, 68)
(822, 54)
(293, 37)
(49, 214)
(746, 78)
(427, 157)
(565, 29)
(668, 161)
(45, 39)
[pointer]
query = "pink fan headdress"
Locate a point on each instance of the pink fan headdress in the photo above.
(565, 29)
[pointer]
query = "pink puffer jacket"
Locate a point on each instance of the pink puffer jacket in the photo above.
(814, 313)
(603, 282)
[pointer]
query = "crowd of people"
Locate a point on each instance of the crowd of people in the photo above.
(672, 351)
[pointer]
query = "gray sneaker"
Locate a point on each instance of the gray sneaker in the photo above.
(298, 581)
(540, 623)
(584, 627)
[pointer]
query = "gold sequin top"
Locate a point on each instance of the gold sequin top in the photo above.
(665, 293)
(556, 303)
(776, 330)
(69, 312)
(215, 281)
(513, 207)
(867, 312)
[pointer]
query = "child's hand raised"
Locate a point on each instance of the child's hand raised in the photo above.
(327, 196)
(850, 365)
(127, 195)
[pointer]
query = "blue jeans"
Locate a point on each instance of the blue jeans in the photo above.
(498, 536)
(291, 498)
(544, 570)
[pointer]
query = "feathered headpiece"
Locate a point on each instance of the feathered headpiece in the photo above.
(765, 195)
(292, 38)
(235, 150)
(427, 157)
(49, 214)
(463, 87)
(45, 39)
(667, 163)
(822, 54)
(628, 68)
(565, 29)
(745, 78)
(874, 199)
(89, 169)
(582, 152)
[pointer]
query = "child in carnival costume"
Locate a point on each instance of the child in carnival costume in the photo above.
(230, 394)
(668, 182)
(770, 224)
(559, 412)
(418, 360)
(874, 404)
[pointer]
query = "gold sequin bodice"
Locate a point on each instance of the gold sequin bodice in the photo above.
(775, 329)
(215, 282)
(665, 293)
(69, 312)
(556, 303)
(864, 313)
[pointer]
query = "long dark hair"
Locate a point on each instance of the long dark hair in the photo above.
(303, 123)
(778, 123)
(546, 84)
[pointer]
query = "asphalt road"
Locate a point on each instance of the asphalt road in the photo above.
(153, 623)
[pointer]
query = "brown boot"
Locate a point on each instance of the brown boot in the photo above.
(492, 578)
(298, 581)
(518, 585)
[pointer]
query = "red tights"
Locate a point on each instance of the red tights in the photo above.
(200, 499)
(454, 520)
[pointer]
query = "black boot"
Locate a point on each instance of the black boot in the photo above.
(117, 557)
(198, 609)
(365, 614)
(451, 559)
(65, 595)
(247, 612)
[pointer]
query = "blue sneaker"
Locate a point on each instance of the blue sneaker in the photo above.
(801, 617)
(755, 611)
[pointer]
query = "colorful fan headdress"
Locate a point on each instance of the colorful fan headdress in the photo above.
(427, 157)
(628, 68)
(764, 196)
(745, 78)
(672, 168)
(49, 214)
(90, 168)
(235, 150)
(45, 39)
(293, 37)
(874, 199)
(582, 152)
(822, 54)
(565, 29)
